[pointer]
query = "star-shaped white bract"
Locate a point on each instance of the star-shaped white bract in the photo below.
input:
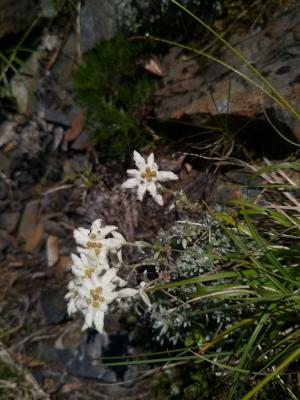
(147, 177)
(75, 302)
(96, 282)
(85, 266)
(97, 293)
(95, 240)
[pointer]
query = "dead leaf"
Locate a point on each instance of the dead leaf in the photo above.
(28, 361)
(153, 66)
(64, 263)
(76, 128)
(70, 387)
(7, 132)
(188, 167)
(35, 238)
(52, 249)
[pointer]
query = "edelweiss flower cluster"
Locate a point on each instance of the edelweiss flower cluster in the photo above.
(96, 284)
(147, 177)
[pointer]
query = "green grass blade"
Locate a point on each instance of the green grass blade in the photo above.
(292, 357)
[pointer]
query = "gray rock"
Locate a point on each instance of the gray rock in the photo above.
(81, 142)
(97, 22)
(55, 116)
(53, 228)
(7, 132)
(206, 89)
(9, 221)
(16, 16)
(5, 163)
(54, 306)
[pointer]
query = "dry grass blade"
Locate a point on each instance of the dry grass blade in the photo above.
(20, 385)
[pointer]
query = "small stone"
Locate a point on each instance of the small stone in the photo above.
(58, 135)
(64, 263)
(22, 90)
(72, 337)
(54, 305)
(55, 117)
(31, 229)
(5, 163)
(62, 267)
(9, 221)
(97, 22)
(4, 189)
(53, 228)
(7, 132)
(52, 249)
(82, 142)
(4, 242)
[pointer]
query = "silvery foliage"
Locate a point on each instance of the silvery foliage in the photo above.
(194, 244)
(169, 327)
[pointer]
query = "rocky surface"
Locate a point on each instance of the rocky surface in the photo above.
(194, 87)
(52, 181)
(15, 16)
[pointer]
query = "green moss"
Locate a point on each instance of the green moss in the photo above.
(6, 371)
(114, 91)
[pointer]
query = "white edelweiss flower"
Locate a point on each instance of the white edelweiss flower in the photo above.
(147, 177)
(85, 266)
(97, 293)
(95, 240)
(75, 302)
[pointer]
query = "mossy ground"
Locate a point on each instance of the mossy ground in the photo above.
(115, 92)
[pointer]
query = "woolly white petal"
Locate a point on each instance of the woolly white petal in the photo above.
(127, 292)
(164, 176)
(96, 225)
(111, 297)
(90, 253)
(150, 161)
(151, 187)
(133, 173)
(141, 191)
(79, 237)
(107, 230)
(109, 287)
(99, 321)
(108, 276)
(76, 271)
(118, 235)
(130, 183)
(139, 160)
(159, 200)
(89, 316)
(76, 261)
(84, 231)
(71, 308)
(119, 281)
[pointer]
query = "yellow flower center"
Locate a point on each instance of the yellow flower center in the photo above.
(88, 272)
(93, 236)
(148, 174)
(74, 294)
(94, 245)
(96, 299)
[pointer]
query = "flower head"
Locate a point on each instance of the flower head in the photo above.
(75, 302)
(94, 241)
(96, 294)
(96, 282)
(86, 265)
(147, 177)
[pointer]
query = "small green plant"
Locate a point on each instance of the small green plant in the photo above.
(115, 92)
